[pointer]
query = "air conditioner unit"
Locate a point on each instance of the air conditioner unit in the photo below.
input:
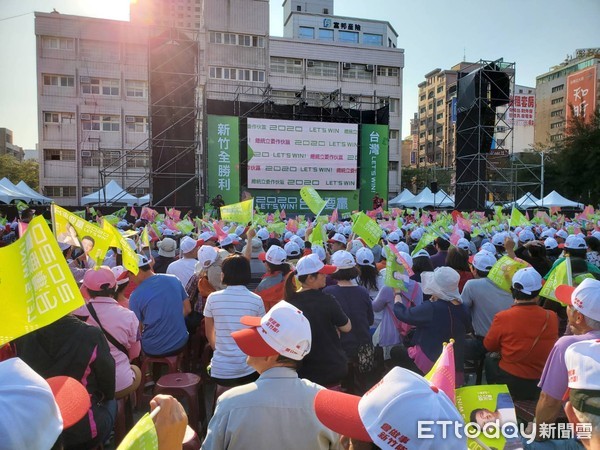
(297, 62)
(310, 63)
(84, 79)
(86, 153)
(346, 66)
(140, 191)
(85, 117)
(369, 67)
(129, 119)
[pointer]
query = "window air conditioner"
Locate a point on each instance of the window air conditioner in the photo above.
(85, 153)
(369, 67)
(85, 117)
(129, 119)
(84, 79)
(346, 66)
(310, 63)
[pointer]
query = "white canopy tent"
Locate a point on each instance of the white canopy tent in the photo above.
(427, 198)
(144, 200)
(554, 199)
(401, 198)
(12, 192)
(24, 187)
(110, 194)
(527, 201)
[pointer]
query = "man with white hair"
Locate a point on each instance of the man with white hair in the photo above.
(184, 267)
(583, 312)
(275, 411)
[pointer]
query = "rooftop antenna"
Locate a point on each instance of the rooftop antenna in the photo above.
(464, 54)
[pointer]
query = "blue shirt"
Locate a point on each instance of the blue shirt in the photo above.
(158, 304)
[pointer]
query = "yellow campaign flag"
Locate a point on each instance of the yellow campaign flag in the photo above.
(319, 235)
(130, 259)
(141, 437)
(72, 229)
(312, 199)
(517, 219)
(241, 212)
(502, 272)
(38, 287)
(557, 277)
(367, 228)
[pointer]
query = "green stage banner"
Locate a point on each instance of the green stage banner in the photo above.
(224, 158)
(374, 151)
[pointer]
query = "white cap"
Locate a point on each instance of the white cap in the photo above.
(287, 236)
(585, 298)
(275, 255)
(422, 253)
(442, 282)
(365, 257)
(298, 240)
(207, 236)
(187, 244)
(292, 250)
(596, 234)
(355, 246)
(489, 247)
(402, 247)
(320, 251)
(207, 255)
(393, 237)
(463, 244)
(550, 243)
(229, 239)
(143, 260)
(283, 330)
(337, 237)
(311, 264)
(583, 365)
(526, 236)
(121, 274)
(131, 244)
(416, 234)
(498, 239)
(391, 411)
(262, 234)
(484, 261)
(575, 242)
(407, 258)
(561, 234)
(548, 232)
(528, 279)
(343, 260)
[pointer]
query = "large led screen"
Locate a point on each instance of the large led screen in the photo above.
(284, 154)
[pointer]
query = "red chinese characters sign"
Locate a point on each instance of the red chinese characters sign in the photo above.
(522, 110)
(581, 93)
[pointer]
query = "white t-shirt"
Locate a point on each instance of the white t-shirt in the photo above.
(227, 307)
(183, 269)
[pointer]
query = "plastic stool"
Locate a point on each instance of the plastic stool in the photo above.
(184, 385)
(191, 441)
(124, 419)
(148, 362)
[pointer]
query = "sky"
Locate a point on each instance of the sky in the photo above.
(534, 34)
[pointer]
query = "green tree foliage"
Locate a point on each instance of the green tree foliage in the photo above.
(416, 179)
(574, 166)
(15, 171)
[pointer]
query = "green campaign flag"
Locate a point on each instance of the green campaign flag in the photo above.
(367, 228)
(120, 213)
(224, 157)
(517, 219)
(130, 259)
(319, 234)
(241, 212)
(277, 227)
(185, 226)
(112, 219)
(395, 274)
(21, 206)
(425, 240)
(312, 199)
(503, 271)
(141, 437)
(71, 229)
(38, 287)
(494, 399)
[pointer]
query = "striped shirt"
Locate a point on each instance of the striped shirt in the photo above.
(227, 307)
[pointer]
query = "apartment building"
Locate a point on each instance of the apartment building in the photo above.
(8, 147)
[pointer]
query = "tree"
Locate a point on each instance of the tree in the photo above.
(15, 170)
(416, 179)
(575, 164)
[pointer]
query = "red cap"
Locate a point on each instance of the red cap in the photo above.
(250, 342)
(262, 256)
(563, 293)
(71, 397)
(339, 411)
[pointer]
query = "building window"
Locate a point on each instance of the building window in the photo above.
(422, 111)
(100, 86)
(439, 129)
(286, 65)
(385, 71)
(439, 89)
(560, 87)
(394, 102)
(325, 35)
(439, 116)
(501, 129)
(322, 68)
(440, 102)
(557, 125)
(136, 124)
(59, 155)
(350, 37)
(556, 113)
(372, 39)
(358, 72)
(58, 43)
(60, 191)
(430, 106)
(93, 122)
(87, 190)
(556, 137)
(244, 40)
(557, 100)
(58, 117)
(422, 98)
(306, 32)
(226, 73)
(101, 158)
(136, 89)
(59, 80)
(393, 134)
(393, 165)
(137, 162)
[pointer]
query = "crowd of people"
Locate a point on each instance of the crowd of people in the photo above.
(310, 348)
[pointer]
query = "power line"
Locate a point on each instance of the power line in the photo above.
(14, 17)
